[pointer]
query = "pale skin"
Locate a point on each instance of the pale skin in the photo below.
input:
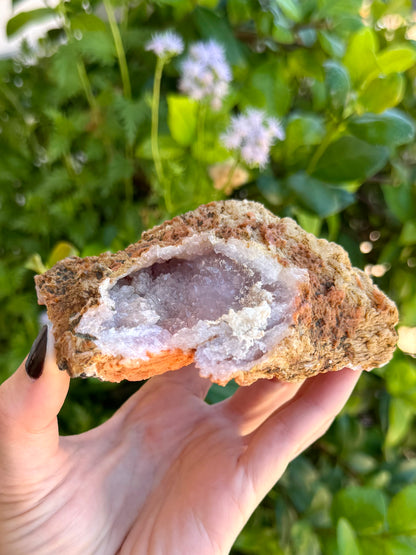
(167, 474)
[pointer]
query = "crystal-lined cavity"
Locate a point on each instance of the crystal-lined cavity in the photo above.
(227, 305)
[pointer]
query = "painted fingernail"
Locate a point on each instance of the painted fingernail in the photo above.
(36, 357)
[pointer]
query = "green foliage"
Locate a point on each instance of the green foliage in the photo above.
(347, 543)
(364, 508)
(382, 93)
(350, 159)
(338, 83)
(22, 19)
(78, 176)
(392, 128)
(324, 199)
(182, 119)
(401, 515)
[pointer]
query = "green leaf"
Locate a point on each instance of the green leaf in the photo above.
(319, 96)
(318, 196)
(60, 251)
(273, 190)
(64, 70)
(218, 393)
(303, 130)
(401, 514)
(268, 88)
(350, 159)
(301, 481)
(379, 545)
(208, 3)
(309, 222)
(34, 262)
(401, 200)
(285, 517)
(304, 540)
(182, 118)
(22, 19)
(180, 7)
(360, 57)
(307, 37)
(338, 83)
(258, 540)
(401, 415)
(392, 128)
(408, 234)
(87, 22)
(98, 46)
(168, 148)
(401, 379)
(364, 508)
(396, 59)
(339, 8)
(303, 63)
(378, 9)
(239, 11)
(65, 129)
(331, 44)
(383, 93)
(282, 34)
(347, 539)
(361, 463)
(400, 546)
(212, 26)
(291, 9)
(131, 114)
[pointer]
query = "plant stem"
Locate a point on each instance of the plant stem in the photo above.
(199, 150)
(230, 176)
(69, 168)
(121, 55)
(202, 115)
(155, 132)
(82, 70)
(86, 85)
(125, 78)
(125, 18)
(321, 148)
(128, 182)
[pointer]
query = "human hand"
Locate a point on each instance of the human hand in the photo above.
(167, 474)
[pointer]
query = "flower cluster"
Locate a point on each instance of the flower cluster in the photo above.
(166, 45)
(206, 73)
(251, 135)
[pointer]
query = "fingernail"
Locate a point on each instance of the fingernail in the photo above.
(36, 357)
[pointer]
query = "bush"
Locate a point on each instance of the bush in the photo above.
(85, 168)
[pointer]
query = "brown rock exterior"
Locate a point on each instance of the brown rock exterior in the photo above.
(339, 318)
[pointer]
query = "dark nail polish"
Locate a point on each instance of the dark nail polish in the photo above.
(36, 357)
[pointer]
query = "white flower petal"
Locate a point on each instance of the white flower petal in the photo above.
(252, 134)
(165, 44)
(206, 73)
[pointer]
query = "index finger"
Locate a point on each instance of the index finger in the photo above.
(296, 425)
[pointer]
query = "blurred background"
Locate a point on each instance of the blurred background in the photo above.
(101, 137)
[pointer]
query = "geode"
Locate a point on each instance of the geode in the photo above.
(230, 287)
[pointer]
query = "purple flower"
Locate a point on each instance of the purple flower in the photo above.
(166, 44)
(206, 73)
(251, 135)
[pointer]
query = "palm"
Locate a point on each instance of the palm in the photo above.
(169, 473)
(163, 468)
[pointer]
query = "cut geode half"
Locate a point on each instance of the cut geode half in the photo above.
(238, 291)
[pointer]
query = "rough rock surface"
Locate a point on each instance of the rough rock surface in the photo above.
(336, 317)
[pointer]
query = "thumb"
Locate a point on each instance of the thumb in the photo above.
(28, 406)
